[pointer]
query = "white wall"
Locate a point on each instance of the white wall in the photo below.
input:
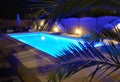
(87, 23)
(101, 21)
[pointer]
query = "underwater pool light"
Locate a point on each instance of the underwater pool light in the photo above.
(42, 38)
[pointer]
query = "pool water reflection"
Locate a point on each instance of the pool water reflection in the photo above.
(51, 44)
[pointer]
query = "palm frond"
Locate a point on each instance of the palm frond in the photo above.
(59, 9)
(109, 34)
(103, 34)
(77, 58)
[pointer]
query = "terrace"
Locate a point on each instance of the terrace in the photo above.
(61, 46)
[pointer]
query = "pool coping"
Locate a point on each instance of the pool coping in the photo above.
(25, 66)
(30, 47)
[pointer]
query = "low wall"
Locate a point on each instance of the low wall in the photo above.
(87, 23)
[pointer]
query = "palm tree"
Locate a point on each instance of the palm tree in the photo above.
(75, 59)
(105, 61)
(55, 10)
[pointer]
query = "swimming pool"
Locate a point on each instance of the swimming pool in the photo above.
(51, 44)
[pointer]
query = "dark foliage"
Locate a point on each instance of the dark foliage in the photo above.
(75, 59)
(55, 10)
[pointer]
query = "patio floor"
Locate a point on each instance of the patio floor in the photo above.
(23, 63)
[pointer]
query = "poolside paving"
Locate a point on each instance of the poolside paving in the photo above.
(22, 63)
(7, 72)
(28, 63)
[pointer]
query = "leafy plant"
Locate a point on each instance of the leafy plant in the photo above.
(55, 10)
(105, 59)
(75, 59)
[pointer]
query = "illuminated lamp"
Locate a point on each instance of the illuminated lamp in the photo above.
(42, 22)
(39, 27)
(55, 29)
(78, 31)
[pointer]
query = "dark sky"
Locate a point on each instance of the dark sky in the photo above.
(9, 8)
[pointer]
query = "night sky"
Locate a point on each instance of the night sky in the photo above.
(9, 8)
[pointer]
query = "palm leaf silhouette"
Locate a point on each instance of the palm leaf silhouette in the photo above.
(104, 33)
(76, 59)
(55, 10)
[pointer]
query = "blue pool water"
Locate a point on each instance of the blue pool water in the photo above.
(51, 44)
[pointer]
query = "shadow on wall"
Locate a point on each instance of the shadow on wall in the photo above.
(89, 24)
